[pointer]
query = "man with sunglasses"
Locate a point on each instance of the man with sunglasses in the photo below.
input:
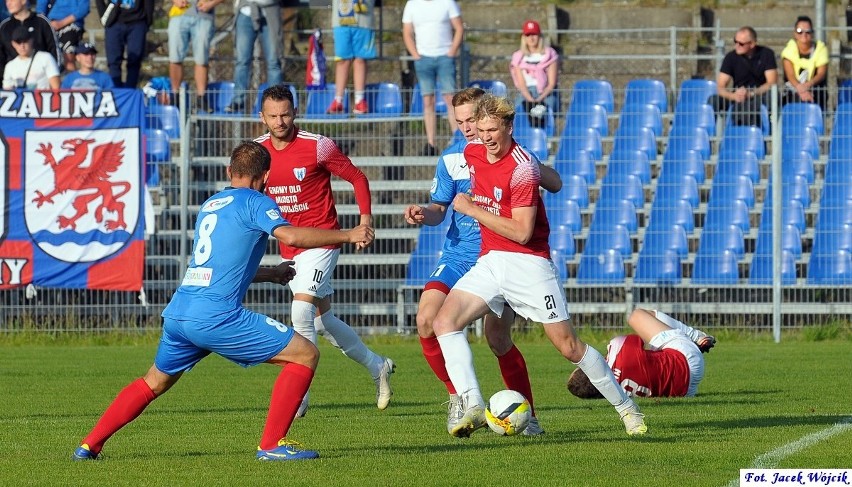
(750, 70)
(805, 62)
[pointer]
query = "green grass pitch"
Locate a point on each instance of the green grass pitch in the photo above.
(757, 396)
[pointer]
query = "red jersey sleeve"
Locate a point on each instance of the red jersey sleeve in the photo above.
(524, 184)
(330, 157)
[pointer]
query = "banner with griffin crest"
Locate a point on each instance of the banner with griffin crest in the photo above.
(71, 190)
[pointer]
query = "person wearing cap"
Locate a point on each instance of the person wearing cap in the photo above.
(67, 18)
(86, 77)
(31, 69)
(44, 38)
(535, 72)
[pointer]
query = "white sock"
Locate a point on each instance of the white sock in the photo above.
(302, 315)
(458, 359)
(693, 333)
(344, 337)
(599, 373)
(338, 99)
(359, 95)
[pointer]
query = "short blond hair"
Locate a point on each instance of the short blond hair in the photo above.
(491, 106)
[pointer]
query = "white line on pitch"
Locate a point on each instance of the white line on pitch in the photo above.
(774, 457)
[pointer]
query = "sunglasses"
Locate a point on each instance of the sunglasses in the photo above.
(741, 44)
(805, 31)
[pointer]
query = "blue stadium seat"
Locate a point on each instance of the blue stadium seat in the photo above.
(660, 269)
(701, 115)
(383, 99)
(493, 86)
(676, 187)
(219, 95)
(633, 162)
(164, 117)
(157, 146)
(535, 140)
(563, 211)
(761, 270)
(842, 120)
(675, 212)
(724, 213)
(562, 239)
(717, 240)
(740, 138)
(792, 214)
(614, 238)
(574, 188)
(575, 139)
(833, 216)
(593, 92)
(635, 116)
(416, 106)
(682, 139)
(659, 240)
(830, 240)
(606, 267)
(609, 213)
(522, 120)
(764, 120)
(799, 164)
(731, 187)
(560, 260)
(576, 163)
(799, 139)
(794, 188)
(588, 116)
(742, 164)
(623, 187)
(680, 162)
(803, 115)
(719, 268)
(791, 240)
(639, 138)
(836, 192)
(319, 100)
(694, 92)
(844, 95)
(832, 269)
(646, 91)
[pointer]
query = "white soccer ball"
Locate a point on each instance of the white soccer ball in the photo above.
(508, 413)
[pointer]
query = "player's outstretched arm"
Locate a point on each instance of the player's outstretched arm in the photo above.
(308, 238)
(280, 274)
(431, 215)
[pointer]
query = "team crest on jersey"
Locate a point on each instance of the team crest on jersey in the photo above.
(300, 173)
(498, 193)
(82, 197)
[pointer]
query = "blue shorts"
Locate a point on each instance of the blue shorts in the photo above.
(245, 338)
(354, 42)
(190, 29)
(448, 271)
(441, 69)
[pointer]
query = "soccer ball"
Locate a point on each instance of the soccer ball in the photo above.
(508, 413)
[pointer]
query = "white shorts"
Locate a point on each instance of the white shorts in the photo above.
(677, 340)
(528, 283)
(314, 268)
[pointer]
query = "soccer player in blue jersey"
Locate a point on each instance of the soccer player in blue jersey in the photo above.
(460, 252)
(206, 315)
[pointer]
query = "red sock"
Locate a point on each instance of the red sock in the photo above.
(287, 393)
(513, 368)
(435, 359)
(127, 405)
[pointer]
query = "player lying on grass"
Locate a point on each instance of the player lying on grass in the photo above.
(459, 253)
(206, 315)
(671, 367)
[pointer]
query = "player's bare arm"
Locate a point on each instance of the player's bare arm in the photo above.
(280, 274)
(551, 181)
(519, 228)
(308, 238)
(431, 215)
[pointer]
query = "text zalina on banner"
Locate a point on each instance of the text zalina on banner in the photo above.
(71, 189)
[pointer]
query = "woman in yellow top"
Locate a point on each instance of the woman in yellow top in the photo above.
(805, 66)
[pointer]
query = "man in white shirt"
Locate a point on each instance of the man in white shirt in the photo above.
(432, 31)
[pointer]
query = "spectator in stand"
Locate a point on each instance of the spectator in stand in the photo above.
(191, 22)
(44, 38)
(751, 70)
(67, 18)
(354, 44)
(86, 77)
(535, 71)
(432, 31)
(255, 18)
(31, 69)
(805, 62)
(127, 33)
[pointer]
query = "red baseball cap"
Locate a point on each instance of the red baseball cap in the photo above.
(531, 27)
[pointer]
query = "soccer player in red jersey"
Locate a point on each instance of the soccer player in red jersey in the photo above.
(671, 367)
(300, 183)
(514, 268)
